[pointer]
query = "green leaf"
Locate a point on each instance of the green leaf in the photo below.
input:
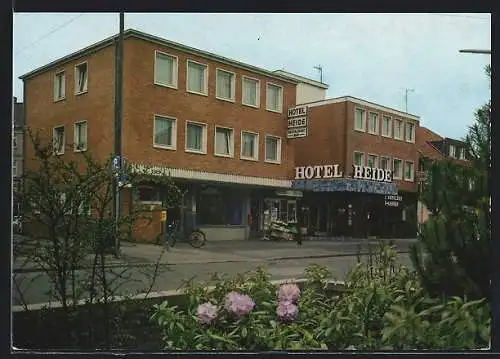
(244, 332)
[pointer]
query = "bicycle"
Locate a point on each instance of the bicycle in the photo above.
(196, 238)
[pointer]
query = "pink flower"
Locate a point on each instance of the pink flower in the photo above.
(287, 311)
(207, 312)
(238, 304)
(289, 293)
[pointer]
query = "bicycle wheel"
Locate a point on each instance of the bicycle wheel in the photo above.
(197, 238)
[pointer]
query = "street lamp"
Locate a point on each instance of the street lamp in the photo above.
(475, 51)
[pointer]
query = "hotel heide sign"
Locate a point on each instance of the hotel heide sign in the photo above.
(333, 171)
(297, 122)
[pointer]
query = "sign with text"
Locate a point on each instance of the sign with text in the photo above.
(297, 132)
(297, 122)
(163, 216)
(297, 111)
(392, 201)
(333, 171)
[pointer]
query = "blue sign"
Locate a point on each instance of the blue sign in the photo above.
(345, 185)
(117, 162)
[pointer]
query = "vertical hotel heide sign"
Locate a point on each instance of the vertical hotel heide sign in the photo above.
(297, 122)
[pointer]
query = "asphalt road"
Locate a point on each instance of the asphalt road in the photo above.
(35, 286)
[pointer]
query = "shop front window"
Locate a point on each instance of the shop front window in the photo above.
(219, 206)
(280, 209)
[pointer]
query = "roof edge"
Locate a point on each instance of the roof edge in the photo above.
(302, 79)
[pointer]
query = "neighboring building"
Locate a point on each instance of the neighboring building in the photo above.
(307, 90)
(217, 126)
(17, 151)
(339, 200)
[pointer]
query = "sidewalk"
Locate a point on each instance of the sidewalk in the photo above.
(138, 254)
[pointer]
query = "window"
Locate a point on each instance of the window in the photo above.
(373, 126)
(219, 206)
(274, 98)
(452, 151)
(372, 161)
(398, 135)
(398, 169)
(359, 119)
(80, 136)
(409, 171)
(279, 209)
(225, 85)
(14, 141)
(251, 92)
(196, 137)
(59, 86)
(59, 140)
(165, 69)
(81, 78)
(14, 168)
(164, 132)
(462, 153)
(249, 145)
(386, 163)
(359, 158)
(147, 194)
(224, 142)
(273, 149)
(386, 126)
(410, 132)
(197, 78)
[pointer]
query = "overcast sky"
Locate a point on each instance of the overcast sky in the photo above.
(370, 56)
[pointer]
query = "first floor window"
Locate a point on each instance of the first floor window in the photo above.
(249, 145)
(219, 206)
(224, 141)
(81, 136)
(59, 140)
(397, 130)
(409, 171)
(81, 77)
(398, 169)
(372, 161)
(373, 128)
(197, 78)
(165, 69)
(386, 126)
(273, 149)
(410, 132)
(250, 95)
(59, 85)
(359, 158)
(385, 163)
(196, 137)
(225, 85)
(274, 97)
(359, 119)
(164, 132)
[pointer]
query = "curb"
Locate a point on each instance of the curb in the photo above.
(150, 264)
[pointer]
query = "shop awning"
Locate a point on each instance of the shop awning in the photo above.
(345, 185)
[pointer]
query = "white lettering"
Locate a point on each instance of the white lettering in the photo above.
(328, 171)
(380, 174)
(357, 171)
(337, 173)
(299, 172)
(388, 176)
(318, 169)
(309, 172)
(367, 172)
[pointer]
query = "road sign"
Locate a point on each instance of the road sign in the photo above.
(163, 216)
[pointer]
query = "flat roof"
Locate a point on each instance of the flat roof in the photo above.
(132, 33)
(302, 79)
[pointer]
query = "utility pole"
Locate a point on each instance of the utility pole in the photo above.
(406, 98)
(320, 69)
(118, 125)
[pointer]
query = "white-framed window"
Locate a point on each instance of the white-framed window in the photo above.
(397, 169)
(359, 119)
(80, 139)
(359, 158)
(274, 98)
(249, 145)
(166, 69)
(225, 85)
(224, 142)
(164, 132)
(409, 171)
(471, 184)
(386, 126)
(410, 132)
(59, 85)
(14, 168)
(462, 153)
(196, 137)
(451, 150)
(373, 124)
(398, 131)
(372, 161)
(250, 92)
(385, 163)
(273, 149)
(59, 140)
(197, 78)
(81, 77)
(14, 141)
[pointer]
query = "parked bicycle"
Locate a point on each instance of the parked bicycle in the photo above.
(196, 237)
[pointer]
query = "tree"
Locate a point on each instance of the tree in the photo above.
(453, 254)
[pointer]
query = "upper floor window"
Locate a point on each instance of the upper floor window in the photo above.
(386, 126)
(410, 132)
(59, 85)
(59, 140)
(14, 141)
(225, 85)
(385, 163)
(80, 136)
(451, 151)
(397, 169)
(165, 69)
(14, 168)
(81, 78)
(462, 153)
(196, 137)
(273, 149)
(359, 119)
(249, 145)
(398, 131)
(409, 171)
(373, 126)
(164, 132)
(197, 78)
(224, 141)
(372, 161)
(251, 92)
(274, 98)
(359, 158)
